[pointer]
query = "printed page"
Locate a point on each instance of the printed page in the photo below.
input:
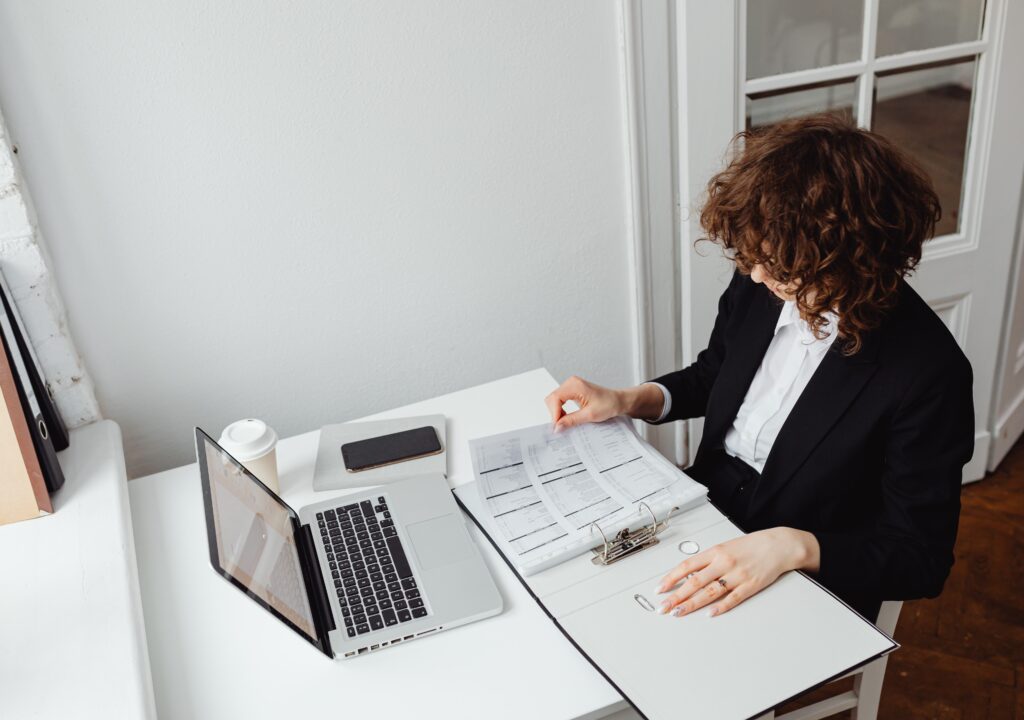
(543, 492)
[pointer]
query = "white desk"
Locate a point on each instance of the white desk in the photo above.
(216, 654)
(72, 641)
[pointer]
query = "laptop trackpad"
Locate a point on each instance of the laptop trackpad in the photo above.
(440, 541)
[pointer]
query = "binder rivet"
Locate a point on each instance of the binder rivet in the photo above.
(689, 547)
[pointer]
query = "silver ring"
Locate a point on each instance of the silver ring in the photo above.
(721, 581)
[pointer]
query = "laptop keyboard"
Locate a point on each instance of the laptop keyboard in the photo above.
(375, 585)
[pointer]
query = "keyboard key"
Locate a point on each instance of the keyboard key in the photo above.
(366, 544)
(349, 622)
(379, 585)
(412, 593)
(419, 612)
(372, 568)
(327, 514)
(397, 595)
(367, 507)
(387, 523)
(392, 586)
(384, 604)
(335, 574)
(381, 500)
(400, 605)
(398, 555)
(370, 602)
(389, 618)
(387, 515)
(378, 544)
(363, 582)
(362, 629)
(376, 622)
(390, 577)
(366, 592)
(345, 612)
(416, 603)
(404, 616)
(337, 583)
(342, 600)
(341, 592)
(382, 595)
(382, 553)
(390, 532)
(362, 575)
(359, 619)
(351, 632)
(350, 582)
(376, 575)
(388, 568)
(376, 536)
(409, 583)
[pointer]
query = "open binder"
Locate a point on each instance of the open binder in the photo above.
(791, 637)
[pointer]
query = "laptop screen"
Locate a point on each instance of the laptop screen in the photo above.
(252, 537)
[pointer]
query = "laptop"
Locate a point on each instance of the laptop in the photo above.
(353, 574)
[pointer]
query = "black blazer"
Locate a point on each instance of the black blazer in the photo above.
(870, 458)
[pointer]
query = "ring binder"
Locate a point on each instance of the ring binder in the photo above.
(628, 542)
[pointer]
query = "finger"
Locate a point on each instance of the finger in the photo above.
(569, 390)
(554, 404)
(574, 418)
(690, 586)
(687, 567)
(714, 590)
(734, 598)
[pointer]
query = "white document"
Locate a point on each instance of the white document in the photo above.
(545, 494)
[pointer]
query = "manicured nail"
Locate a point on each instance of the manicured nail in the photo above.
(663, 609)
(659, 589)
(712, 612)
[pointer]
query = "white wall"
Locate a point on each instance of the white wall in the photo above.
(309, 212)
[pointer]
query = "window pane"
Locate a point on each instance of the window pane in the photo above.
(767, 108)
(788, 35)
(905, 25)
(927, 113)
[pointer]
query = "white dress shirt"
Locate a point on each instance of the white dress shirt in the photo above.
(791, 359)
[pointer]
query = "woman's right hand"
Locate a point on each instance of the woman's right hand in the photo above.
(599, 403)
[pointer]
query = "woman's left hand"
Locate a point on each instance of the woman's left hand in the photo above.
(729, 573)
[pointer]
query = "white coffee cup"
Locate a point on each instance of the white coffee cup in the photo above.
(254, 444)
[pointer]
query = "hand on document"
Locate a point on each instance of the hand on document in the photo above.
(729, 573)
(598, 404)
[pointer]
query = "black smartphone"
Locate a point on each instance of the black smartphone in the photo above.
(389, 449)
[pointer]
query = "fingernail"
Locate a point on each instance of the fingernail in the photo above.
(663, 609)
(712, 612)
(659, 589)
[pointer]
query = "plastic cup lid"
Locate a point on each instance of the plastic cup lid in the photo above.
(248, 439)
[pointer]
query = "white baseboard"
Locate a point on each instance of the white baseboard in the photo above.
(975, 469)
(1008, 429)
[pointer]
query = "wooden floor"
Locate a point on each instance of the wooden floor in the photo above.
(962, 655)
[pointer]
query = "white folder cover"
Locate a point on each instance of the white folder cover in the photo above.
(791, 637)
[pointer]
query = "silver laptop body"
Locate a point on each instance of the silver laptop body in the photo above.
(352, 574)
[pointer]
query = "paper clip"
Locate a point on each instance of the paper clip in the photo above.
(628, 542)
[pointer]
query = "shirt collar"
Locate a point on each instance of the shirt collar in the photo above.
(791, 316)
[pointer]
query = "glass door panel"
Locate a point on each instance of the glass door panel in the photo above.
(905, 25)
(767, 108)
(789, 35)
(926, 112)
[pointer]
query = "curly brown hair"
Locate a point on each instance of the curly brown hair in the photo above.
(828, 207)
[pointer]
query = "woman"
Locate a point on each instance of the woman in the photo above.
(838, 409)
